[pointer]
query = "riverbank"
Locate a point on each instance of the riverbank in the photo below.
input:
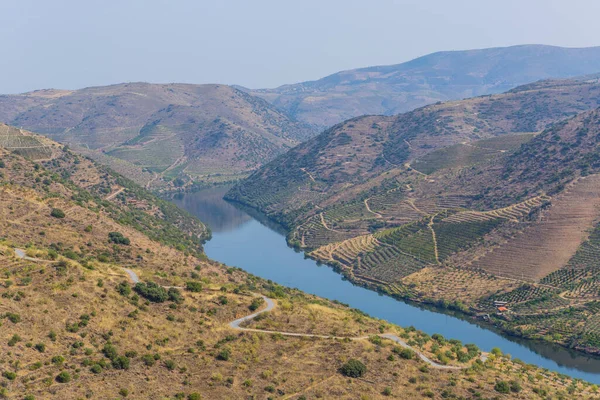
(507, 323)
(259, 247)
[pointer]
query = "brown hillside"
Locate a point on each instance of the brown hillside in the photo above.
(200, 132)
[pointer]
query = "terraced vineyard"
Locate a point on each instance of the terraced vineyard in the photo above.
(314, 234)
(465, 154)
(514, 212)
(581, 275)
(28, 146)
(458, 155)
(387, 264)
(348, 250)
(453, 237)
(350, 212)
(525, 293)
(452, 284)
(546, 246)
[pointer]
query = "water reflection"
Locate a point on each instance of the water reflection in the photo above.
(208, 205)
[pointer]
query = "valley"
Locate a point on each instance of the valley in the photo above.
(77, 323)
(465, 214)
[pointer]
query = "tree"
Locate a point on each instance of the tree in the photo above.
(353, 368)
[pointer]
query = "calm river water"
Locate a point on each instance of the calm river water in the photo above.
(244, 239)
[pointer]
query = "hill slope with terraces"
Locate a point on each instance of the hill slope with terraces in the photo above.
(199, 132)
(361, 153)
(497, 211)
(74, 325)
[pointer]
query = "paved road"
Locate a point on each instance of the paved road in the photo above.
(271, 305)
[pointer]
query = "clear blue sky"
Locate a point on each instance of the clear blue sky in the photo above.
(260, 43)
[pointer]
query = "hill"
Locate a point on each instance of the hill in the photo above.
(435, 77)
(362, 152)
(75, 324)
(147, 131)
(453, 204)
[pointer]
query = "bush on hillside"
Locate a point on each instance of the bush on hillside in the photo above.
(57, 213)
(353, 368)
(118, 238)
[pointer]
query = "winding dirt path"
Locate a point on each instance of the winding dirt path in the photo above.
(366, 201)
(236, 324)
(115, 194)
(325, 224)
(309, 174)
(434, 237)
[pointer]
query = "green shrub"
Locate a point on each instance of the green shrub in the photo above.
(404, 352)
(120, 362)
(58, 360)
(57, 213)
(151, 291)
(515, 386)
(118, 238)
(193, 286)
(9, 375)
(502, 387)
(353, 368)
(109, 351)
(41, 347)
(96, 369)
(124, 289)
(170, 365)
(63, 377)
(13, 317)
(13, 340)
(194, 396)
(175, 295)
(256, 303)
(224, 355)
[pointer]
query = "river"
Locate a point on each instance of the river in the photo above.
(244, 239)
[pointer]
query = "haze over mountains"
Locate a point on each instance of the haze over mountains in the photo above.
(202, 129)
(440, 76)
(181, 133)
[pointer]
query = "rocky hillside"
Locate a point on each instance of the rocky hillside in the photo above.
(199, 132)
(435, 77)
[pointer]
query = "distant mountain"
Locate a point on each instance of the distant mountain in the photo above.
(200, 131)
(441, 76)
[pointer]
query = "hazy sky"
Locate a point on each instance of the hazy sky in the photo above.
(260, 43)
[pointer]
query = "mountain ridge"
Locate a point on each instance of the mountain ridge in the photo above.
(401, 87)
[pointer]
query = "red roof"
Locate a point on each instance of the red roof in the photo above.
(502, 309)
